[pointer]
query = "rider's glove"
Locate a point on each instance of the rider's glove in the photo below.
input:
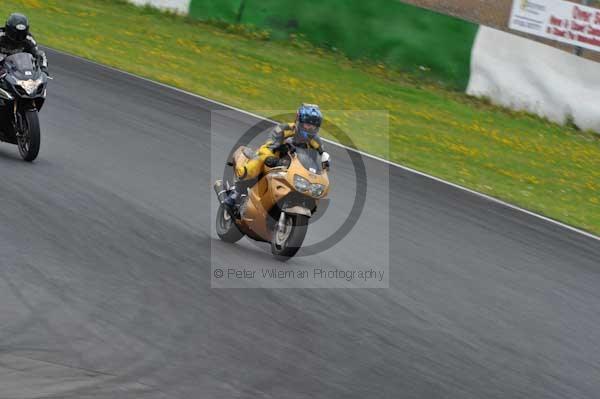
(325, 160)
(272, 162)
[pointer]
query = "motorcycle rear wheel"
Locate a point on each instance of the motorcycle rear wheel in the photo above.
(227, 230)
(285, 244)
(28, 141)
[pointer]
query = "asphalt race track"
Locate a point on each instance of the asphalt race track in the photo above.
(107, 242)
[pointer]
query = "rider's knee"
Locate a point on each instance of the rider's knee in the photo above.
(252, 169)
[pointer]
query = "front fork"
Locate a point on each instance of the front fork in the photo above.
(18, 116)
(18, 123)
(281, 223)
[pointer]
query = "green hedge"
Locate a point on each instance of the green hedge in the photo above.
(395, 33)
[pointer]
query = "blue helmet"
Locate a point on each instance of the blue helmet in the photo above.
(308, 121)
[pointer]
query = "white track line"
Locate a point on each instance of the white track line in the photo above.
(406, 168)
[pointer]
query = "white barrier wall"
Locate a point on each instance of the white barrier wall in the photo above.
(525, 75)
(181, 6)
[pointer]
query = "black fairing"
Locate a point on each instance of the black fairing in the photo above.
(22, 66)
(14, 68)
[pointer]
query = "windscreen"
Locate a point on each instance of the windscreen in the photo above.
(310, 159)
(21, 65)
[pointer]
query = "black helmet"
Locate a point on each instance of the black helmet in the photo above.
(17, 27)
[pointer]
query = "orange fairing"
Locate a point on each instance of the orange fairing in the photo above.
(278, 206)
(271, 189)
(296, 169)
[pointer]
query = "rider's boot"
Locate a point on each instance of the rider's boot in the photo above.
(231, 201)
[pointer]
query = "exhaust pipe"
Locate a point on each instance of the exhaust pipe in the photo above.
(220, 190)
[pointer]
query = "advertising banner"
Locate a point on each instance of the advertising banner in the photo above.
(563, 21)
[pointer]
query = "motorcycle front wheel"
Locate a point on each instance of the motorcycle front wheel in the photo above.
(287, 242)
(28, 140)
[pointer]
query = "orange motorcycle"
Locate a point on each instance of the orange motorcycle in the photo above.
(277, 208)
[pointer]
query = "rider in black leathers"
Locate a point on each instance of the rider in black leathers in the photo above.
(15, 38)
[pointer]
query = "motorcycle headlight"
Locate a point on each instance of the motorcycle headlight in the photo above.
(30, 86)
(301, 184)
(317, 190)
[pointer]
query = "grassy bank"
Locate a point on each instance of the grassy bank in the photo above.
(398, 34)
(514, 156)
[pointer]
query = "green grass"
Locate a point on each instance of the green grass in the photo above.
(513, 156)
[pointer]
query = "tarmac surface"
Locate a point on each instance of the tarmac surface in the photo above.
(108, 250)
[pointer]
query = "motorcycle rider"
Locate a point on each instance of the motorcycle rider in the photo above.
(303, 132)
(15, 38)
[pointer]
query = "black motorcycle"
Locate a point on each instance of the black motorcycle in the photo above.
(22, 96)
